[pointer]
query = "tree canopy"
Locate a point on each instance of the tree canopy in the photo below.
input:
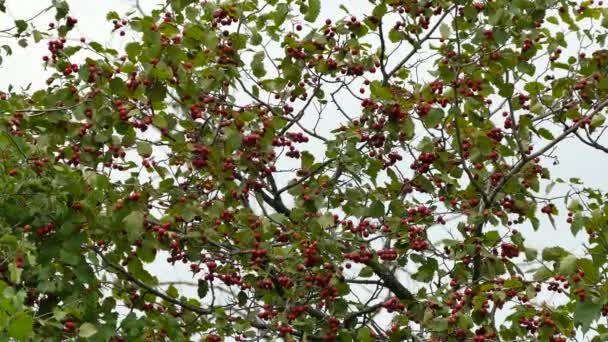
(371, 173)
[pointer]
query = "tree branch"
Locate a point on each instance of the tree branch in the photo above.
(522, 162)
(520, 165)
(139, 283)
(514, 125)
(382, 50)
(390, 281)
(418, 45)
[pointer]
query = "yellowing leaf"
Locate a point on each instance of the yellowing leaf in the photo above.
(87, 330)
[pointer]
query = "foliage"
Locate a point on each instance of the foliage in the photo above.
(232, 137)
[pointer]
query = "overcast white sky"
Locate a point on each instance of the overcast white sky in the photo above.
(25, 67)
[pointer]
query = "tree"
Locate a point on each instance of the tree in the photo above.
(372, 176)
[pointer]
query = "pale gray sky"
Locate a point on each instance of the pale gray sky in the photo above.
(25, 66)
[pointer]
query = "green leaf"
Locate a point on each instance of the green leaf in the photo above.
(194, 32)
(38, 36)
(21, 26)
(409, 128)
(575, 205)
(280, 14)
(598, 120)
(376, 209)
(157, 92)
(380, 92)
(534, 88)
(117, 86)
(21, 326)
(484, 144)
(326, 220)
(491, 238)
(233, 140)
(87, 330)
(179, 5)
(278, 217)
(465, 322)
(500, 36)
(291, 71)
(203, 288)
(242, 298)
(58, 314)
(15, 273)
(565, 17)
(542, 274)
(585, 313)
(112, 15)
(307, 160)
(591, 271)
(366, 272)
(506, 90)
(554, 253)
(394, 36)
(424, 183)
(133, 49)
(374, 167)
(427, 271)
(314, 8)
(160, 121)
(70, 257)
(567, 265)
(256, 38)
(530, 253)
(257, 64)
(144, 149)
(434, 117)
(133, 224)
(470, 13)
(61, 9)
(379, 10)
(136, 268)
(545, 133)
(364, 335)
(445, 31)
(526, 68)
(172, 291)
(7, 49)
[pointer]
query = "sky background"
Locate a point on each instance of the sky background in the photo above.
(25, 67)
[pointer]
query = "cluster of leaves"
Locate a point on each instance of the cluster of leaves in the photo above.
(312, 183)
